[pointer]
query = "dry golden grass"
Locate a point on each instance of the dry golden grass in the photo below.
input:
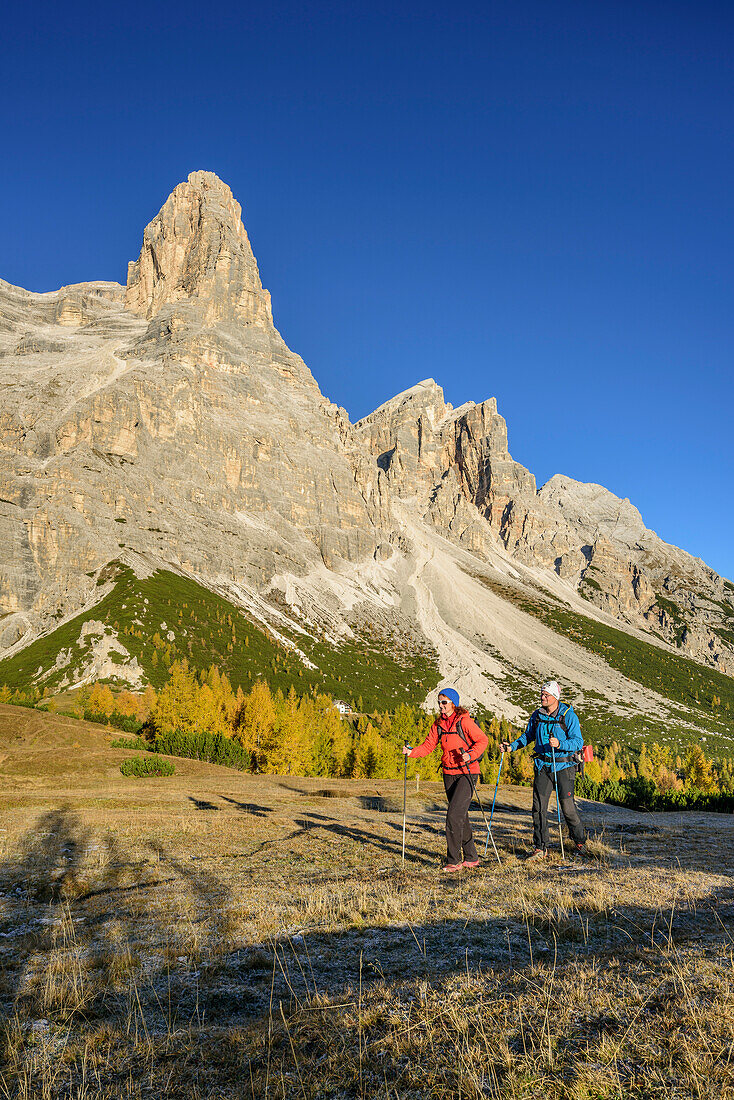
(217, 935)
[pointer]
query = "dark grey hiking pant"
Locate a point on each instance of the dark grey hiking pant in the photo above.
(458, 830)
(542, 788)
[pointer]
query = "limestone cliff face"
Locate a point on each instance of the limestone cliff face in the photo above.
(631, 572)
(196, 248)
(448, 458)
(170, 419)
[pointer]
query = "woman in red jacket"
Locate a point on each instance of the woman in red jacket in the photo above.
(462, 743)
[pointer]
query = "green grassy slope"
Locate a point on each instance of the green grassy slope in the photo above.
(167, 617)
(208, 630)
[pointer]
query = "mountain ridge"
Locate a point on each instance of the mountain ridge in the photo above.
(169, 421)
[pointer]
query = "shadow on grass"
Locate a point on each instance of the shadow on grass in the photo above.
(88, 932)
(321, 792)
(90, 937)
(250, 808)
(45, 881)
(202, 804)
(414, 853)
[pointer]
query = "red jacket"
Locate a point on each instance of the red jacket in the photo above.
(452, 744)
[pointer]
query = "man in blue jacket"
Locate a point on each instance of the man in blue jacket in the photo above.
(554, 724)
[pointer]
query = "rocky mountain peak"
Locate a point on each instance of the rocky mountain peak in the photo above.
(196, 249)
(594, 510)
(454, 460)
(424, 399)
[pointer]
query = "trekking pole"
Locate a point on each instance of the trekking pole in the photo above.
(481, 807)
(405, 795)
(489, 830)
(558, 803)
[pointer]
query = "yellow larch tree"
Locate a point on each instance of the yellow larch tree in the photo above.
(255, 724)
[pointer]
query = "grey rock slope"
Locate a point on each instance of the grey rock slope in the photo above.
(168, 422)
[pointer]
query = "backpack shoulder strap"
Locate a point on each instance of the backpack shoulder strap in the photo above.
(562, 718)
(460, 730)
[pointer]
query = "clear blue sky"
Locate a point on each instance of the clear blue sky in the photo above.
(531, 200)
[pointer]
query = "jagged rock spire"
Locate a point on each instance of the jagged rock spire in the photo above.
(196, 249)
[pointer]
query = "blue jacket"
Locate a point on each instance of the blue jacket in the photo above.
(542, 727)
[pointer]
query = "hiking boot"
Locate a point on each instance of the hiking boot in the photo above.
(580, 850)
(538, 854)
(448, 868)
(470, 863)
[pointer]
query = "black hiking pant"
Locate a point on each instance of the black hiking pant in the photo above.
(542, 788)
(458, 830)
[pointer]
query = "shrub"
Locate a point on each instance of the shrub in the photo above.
(126, 722)
(640, 793)
(607, 791)
(212, 747)
(141, 766)
(129, 743)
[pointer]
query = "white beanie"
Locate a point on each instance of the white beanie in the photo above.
(552, 688)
